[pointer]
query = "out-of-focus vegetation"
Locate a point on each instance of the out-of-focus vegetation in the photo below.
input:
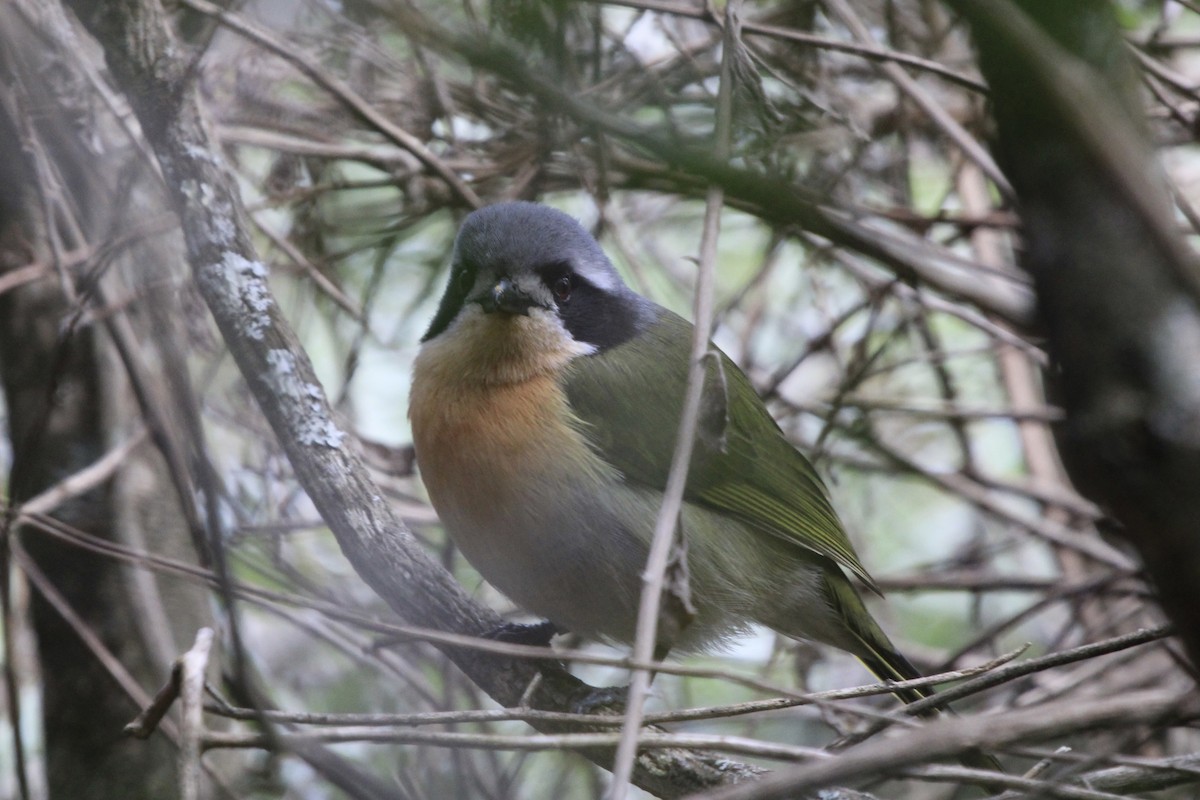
(894, 342)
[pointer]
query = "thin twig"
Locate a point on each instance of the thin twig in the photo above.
(342, 91)
(949, 736)
(152, 714)
(85, 479)
(668, 527)
(523, 742)
(865, 50)
(789, 700)
(192, 666)
(93, 643)
(340, 612)
(905, 83)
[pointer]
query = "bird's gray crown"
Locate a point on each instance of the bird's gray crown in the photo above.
(520, 240)
(517, 237)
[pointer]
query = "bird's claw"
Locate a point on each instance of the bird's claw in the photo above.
(535, 634)
(610, 699)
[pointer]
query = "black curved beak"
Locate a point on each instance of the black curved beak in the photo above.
(507, 298)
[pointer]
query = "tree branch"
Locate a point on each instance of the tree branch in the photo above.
(1118, 288)
(145, 61)
(947, 737)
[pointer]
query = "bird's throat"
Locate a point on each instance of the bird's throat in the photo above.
(494, 349)
(487, 405)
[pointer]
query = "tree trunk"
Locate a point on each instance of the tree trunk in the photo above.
(69, 402)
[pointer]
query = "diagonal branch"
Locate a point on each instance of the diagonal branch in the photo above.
(232, 280)
(949, 736)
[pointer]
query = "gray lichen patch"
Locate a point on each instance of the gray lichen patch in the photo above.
(302, 402)
(248, 282)
(217, 224)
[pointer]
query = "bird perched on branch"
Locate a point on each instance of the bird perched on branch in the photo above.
(545, 406)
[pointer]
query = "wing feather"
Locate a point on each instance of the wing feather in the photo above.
(749, 471)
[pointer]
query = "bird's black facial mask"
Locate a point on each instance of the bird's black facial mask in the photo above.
(599, 318)
(524, 241)
(462, 281)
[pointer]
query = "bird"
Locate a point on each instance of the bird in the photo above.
(544, 405)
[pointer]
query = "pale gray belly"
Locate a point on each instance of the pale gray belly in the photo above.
(576, 557)
(560, 554)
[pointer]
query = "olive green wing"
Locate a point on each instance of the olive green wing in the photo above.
(628, 400)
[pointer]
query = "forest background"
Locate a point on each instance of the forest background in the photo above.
(954, 256)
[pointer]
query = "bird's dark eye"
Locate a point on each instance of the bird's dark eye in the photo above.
(561, 288)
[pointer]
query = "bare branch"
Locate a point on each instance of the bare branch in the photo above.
(946, 737)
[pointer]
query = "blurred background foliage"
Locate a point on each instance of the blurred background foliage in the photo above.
(914, 382)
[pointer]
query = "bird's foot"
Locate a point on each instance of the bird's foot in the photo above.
(535, 634)
(604, 699)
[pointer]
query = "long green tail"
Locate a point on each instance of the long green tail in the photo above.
(880, 656)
